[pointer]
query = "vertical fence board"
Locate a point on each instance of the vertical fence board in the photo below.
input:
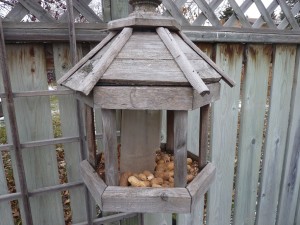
(223, 136)
(251, 132)
(69, 127)
(283, 71)
(28, 73)
(297, 218)
(291, 173)
(5, 209)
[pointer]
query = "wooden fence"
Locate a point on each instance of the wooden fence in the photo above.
(255, 127)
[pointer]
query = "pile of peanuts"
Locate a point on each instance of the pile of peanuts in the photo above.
(163, 175)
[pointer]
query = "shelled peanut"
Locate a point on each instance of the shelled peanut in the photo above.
(163, 175)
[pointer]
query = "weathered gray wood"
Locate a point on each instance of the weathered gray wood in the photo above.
(154, 98)
(9, 197)
(110, 147)
(86, 11)
(284, 23)
(243, 7)
(214, 95)
(170, 131)
(119, 9)
(223, 137)
(260, 21)
(64, 16)
(140, 139)
(297, 218)
(36, 9)
(40, 163)
(182, 61)
(151, 200)
(203, 136)
(264, 12)
(90, 136)
(93, 182)
(208, 12)
(175, 12)
(283, 68)
(288, 14)
(239, 13)
(106, 7)
(87, 76)
(87, 57)
(55, 188)
(88, 100)
(225, 77)
(201, 183)
(17, 13)
(290, 181)
(202, 18)
(142, 21)
(251, 131)
(180, 148)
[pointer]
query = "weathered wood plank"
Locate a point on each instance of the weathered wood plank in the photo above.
(119, 9)
(201, 183)
(251, 131)
(40, 163)
(202, 18)
(288, 14)
(36, 9)
(225, 77)
(86, 11)
(139, 140)
(291, 179)
(88, 75)
(243, 7)
(182, 61)
(87, 57)
(93, 182)
(154, 98)
(208, 12)
(90, 136)
(284, 23)
(110, 146)
(17, 13)
(283, 71)
(239, 13)
(260, 21)
(224, 135)
(266, 15)
(151, 200)
(203, 135)
(180, 148)
(64, 16)
(175, 12)
(170, 131)
(106, 7)
(69, 128)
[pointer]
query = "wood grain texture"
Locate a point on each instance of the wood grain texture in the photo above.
(87, 57)
(182, 61)
(36, 9)
(110, 146)
(265, 14)
(151, 200)
(140, 139)
(90, 136)
(224, 126)
(69, 128)
(251, 131)
(201, 183)
(175, 12)
(208, 12)
(40, 163)
(203, 135)
(88, 75)
(239, 14)
(290, 182)
(17, 13)
(93, 182)
(214, 95)
(180, 147)
(283, 71)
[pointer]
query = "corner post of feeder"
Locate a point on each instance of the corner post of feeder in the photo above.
(180, 147)
(90, 135)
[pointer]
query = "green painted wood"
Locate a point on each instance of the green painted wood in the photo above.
(282, 81)
(27, 65)
(223, 135)
(254, 95)
(69, 127)
(291, 172)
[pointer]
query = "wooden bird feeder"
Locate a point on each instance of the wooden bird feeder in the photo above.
(145, 65)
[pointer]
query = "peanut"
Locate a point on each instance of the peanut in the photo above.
(189, 161)
(189, 177)
(170, 165)
(124, 179)
(142, 177)
(135, 182)
(156, 185)
(157, 180)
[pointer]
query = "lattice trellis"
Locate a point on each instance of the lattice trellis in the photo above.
(188, 12)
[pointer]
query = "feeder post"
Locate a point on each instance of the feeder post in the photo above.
(90, 135)
(203, 135)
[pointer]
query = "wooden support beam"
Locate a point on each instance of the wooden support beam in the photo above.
(170, 131)
(110, 146)
(203, 138)
(90, 135)
(182, 61)
(180, 148)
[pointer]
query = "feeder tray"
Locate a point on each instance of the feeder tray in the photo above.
(147, 199)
